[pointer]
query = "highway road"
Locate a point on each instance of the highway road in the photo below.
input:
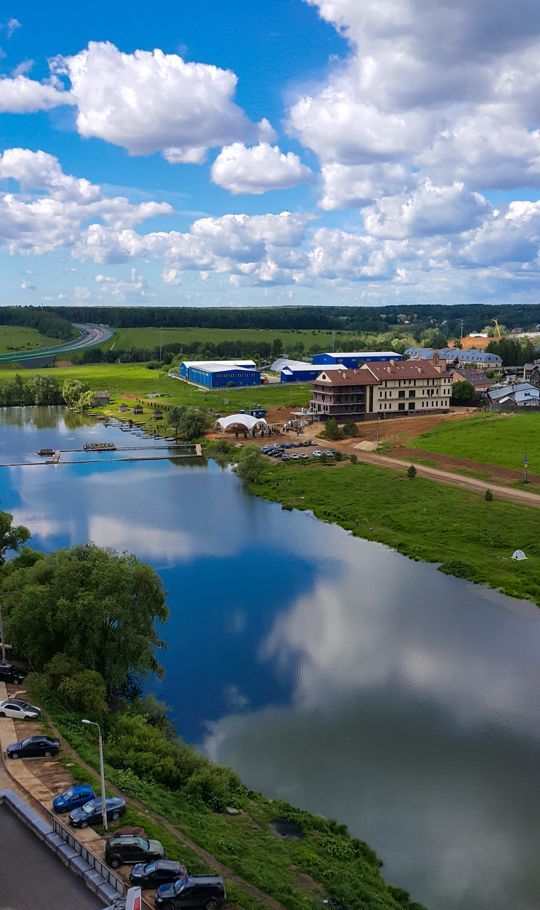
(91, 335)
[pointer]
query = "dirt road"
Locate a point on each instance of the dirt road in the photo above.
(456, 480)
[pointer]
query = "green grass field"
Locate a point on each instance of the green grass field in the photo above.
(125, 339)
(499, 439)
(425, 520)
(135, 378)
(20, 338)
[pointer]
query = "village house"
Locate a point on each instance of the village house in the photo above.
(101, 397)
(382, 390)
(478, 379)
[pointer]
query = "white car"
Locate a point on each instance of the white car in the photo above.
(18, 710)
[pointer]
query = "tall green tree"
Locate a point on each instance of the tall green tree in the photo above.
(250, 464)
(463, 391)
(192, 423)
(76, 394)
(12, 537)
(93, 605)
(175, 417)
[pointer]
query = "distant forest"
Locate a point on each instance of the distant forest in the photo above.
(356, 319)
(46, 321)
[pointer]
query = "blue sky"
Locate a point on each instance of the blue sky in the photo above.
(298, 151)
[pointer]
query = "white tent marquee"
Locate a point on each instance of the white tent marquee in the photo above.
(243, 422)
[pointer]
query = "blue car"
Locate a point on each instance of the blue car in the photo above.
(90, 813)
(73, 798)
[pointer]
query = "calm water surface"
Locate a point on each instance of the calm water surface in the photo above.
(328, 671)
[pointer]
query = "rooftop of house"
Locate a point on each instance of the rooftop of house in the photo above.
(345, 378)
(475, 377)
(403, 369)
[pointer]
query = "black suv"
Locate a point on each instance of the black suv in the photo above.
(9, 673)
(128, 848)
(206, 891)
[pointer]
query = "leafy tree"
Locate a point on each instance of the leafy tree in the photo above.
(93, 605)
(12, 537)
(354, 459)
(350, 428)
(175, 417)
(277, 349)
(411, 472)
(463, 391)
(82, 690)
(488, 496)
(46, 390)
(331, 430)
(192, 423)
(250, 464)
(75, 394)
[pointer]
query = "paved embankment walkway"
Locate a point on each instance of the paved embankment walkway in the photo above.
(18, 775)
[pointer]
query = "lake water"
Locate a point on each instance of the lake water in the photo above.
(329, 671)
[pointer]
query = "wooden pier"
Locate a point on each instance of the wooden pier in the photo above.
(174, 451)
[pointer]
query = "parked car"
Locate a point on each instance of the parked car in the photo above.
(33, 747)
(90, 813)
(9, 673)
(73, 798)
(130, 848)
(153, 875)
(206, 891)
(19, 710)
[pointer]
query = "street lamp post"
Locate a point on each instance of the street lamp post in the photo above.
(2, 642)
(101, 771)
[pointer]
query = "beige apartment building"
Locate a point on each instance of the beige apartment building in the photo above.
(378, 390)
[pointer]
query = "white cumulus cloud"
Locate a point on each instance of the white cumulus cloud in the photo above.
(149, 101)
(21, 95)
(258, 169)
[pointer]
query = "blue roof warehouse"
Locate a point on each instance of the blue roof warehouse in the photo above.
(218, 375)
(353, 359)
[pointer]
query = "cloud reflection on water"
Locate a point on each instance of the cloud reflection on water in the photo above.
(423, 738)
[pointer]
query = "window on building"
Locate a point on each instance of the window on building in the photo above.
(401, 407)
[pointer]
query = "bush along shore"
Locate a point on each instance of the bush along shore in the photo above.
(469, 536)
(85, 620)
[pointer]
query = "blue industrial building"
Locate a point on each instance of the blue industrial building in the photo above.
(186, 365)
(220, 375)
(353, 359)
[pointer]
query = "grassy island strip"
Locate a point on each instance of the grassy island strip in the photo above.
(469, 537)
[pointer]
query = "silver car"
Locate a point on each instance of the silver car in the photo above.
(18, 710)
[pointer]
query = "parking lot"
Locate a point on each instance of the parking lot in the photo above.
(301, 450)
(31, 877)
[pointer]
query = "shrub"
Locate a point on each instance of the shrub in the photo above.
(411, 472)
(488, 496)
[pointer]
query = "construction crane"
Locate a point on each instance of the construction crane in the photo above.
(497, 326)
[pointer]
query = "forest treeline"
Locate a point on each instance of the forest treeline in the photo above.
(47, 322)
(361, 319)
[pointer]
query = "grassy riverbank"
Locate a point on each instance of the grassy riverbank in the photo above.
(470, 537)
(322, 860)
(498, 439)
(135, 379)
